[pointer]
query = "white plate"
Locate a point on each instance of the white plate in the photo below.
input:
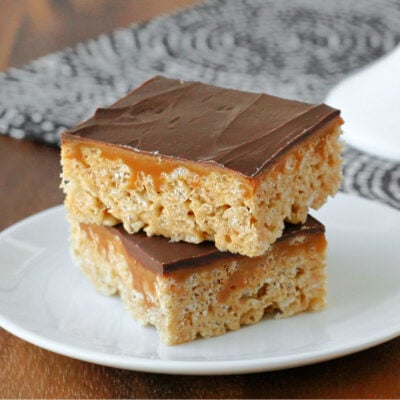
(370, 104)
(45, 300)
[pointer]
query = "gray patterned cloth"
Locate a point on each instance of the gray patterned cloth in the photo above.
(291, 48)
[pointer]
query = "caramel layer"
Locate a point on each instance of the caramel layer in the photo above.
(141, 163)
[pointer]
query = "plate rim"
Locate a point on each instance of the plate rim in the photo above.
(192, 367)
(214, 367)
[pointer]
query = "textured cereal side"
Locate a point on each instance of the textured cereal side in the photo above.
(212, 300)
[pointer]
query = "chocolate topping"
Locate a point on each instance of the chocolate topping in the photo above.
(163, 256)
(241, 131)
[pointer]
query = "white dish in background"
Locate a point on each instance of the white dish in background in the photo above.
(370, 104)
(45, 300)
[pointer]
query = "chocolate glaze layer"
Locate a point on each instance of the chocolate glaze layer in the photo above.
(163, 256)
(242, 131)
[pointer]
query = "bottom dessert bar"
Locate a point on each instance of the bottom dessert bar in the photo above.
(188, 291)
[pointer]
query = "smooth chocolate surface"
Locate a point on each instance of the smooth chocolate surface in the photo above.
(163, 256)
(242, 131)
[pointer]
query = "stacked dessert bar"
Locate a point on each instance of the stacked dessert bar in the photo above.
(191, 202)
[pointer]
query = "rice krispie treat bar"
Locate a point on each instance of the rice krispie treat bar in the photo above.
(195, 162)
(188, 291)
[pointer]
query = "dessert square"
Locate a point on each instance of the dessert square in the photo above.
(194, 162)
(188, 291)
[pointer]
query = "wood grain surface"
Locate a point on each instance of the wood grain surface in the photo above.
(29, 180)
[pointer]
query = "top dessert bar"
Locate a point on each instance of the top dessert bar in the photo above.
(196, 162)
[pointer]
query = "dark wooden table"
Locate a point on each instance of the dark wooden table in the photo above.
(29, 180)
